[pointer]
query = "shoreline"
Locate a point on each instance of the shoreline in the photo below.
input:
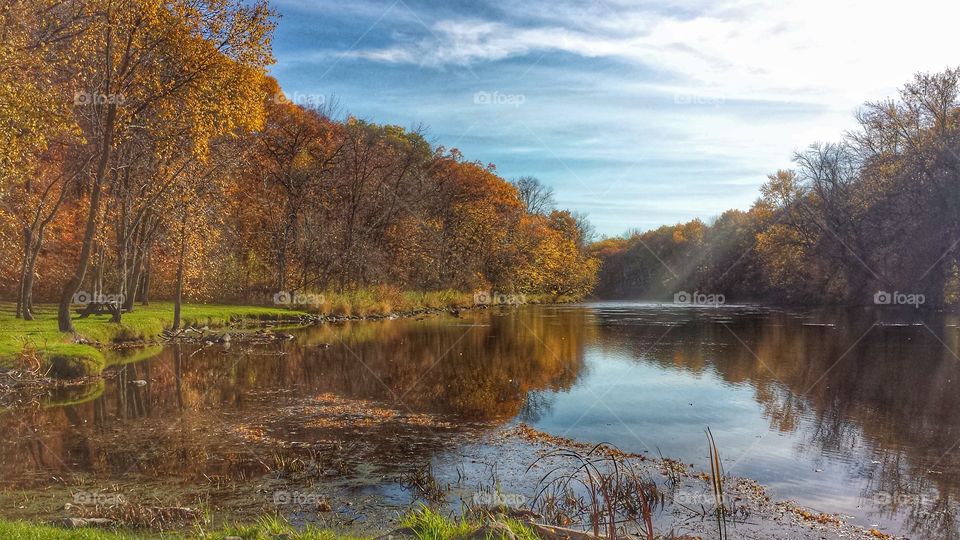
(683, 506)
(37, 346)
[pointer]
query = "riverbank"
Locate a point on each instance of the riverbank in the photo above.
(527, 493)
(39, 346)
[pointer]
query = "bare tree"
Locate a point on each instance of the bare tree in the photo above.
(536, 196)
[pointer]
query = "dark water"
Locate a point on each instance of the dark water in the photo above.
(851, 411)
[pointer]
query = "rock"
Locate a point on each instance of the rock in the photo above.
(226, 338)
(492, 531)
(77, 523)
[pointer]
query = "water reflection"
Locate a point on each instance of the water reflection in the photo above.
(175, 414)
(852, 411)
(860, 406)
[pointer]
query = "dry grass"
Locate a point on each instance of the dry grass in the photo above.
(601, 488)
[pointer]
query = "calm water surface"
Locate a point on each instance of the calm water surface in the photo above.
(853, 411)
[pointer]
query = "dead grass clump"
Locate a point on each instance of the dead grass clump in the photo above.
(599, 489)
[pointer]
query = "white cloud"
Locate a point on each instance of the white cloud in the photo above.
(826, 51)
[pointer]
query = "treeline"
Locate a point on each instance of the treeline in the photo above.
(877, 211)
(145, 152)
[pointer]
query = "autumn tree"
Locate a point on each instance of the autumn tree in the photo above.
(150, 57)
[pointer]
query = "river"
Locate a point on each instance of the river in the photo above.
(855, 411)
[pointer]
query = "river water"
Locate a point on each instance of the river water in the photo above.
(849, 411)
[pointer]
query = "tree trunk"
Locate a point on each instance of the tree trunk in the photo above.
(145, 286)
(27, 298)
(73, 285)
(178, 295)
(21, 304)
(133, 286)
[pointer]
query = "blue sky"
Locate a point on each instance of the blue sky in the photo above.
(637, 113)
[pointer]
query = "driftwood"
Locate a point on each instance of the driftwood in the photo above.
(549, 532)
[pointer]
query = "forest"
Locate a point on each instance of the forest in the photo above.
(873, 214)
(146, 153)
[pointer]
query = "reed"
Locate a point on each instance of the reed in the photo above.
(716, 480)
(600, 489)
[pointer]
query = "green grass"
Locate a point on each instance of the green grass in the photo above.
(427, 524)
(270, 528)
(144, 323)
(431, 525)
(21, 530)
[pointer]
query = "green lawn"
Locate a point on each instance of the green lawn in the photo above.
(145, 323)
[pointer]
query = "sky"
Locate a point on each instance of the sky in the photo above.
(637, 113)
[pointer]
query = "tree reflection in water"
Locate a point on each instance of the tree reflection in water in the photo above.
(874, 388)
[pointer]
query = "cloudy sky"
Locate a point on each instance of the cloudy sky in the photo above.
(638, 113)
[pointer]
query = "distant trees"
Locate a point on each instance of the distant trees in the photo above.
(878, 210)
(144, 152)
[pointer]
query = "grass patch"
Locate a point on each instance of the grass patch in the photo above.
(21, 530)
(271, 528)
(146, 323)
(384, 300)
(431, 525)
(428, 525)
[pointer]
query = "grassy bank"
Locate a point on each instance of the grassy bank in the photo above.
(384, 300)
(423, 525)
(42, 338)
